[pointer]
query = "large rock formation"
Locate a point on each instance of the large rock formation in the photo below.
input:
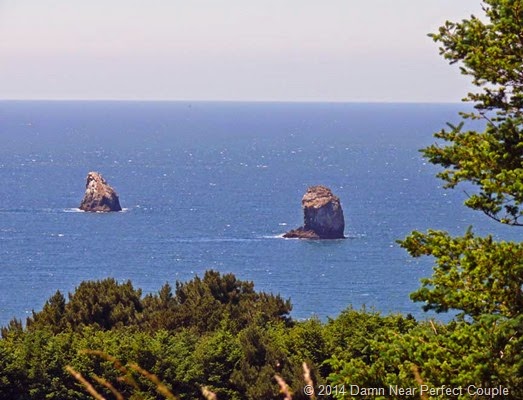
(99, 196)
(322, 216)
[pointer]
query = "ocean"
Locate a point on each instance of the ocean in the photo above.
(214, 185)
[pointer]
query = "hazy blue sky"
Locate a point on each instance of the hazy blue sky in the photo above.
(305, 50)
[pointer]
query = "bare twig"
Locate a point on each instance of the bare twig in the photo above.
(308, 379)
(284, 388)
(208, 394)
(117, 364)
(160, 387)
(417, 377)
(109, 386)
(85, 383)
(433, 326)
(127, 378)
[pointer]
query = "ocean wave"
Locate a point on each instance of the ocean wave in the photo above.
(77, 210)
(352, 235)
(347, 236)
(278, 236)
(72, 210)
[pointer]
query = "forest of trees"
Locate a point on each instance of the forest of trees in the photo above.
(215, 332)
(218, 332)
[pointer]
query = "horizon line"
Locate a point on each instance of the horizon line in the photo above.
(135, 100)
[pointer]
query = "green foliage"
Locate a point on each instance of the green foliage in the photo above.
(478, 276)
(307, 342)
(490, 51)
(160, 310)
(458, 354)
(14, 328)
(472, 274)
(262, 357)
(215, 359)
(357, 342)
(204, 303)
(200, 304)
(12, 371)
(205, 334)
(52, 315)
(350, 334)
(490, 160)
(106, 303)
(481, 278)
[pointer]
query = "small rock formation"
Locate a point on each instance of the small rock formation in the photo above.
(322, 216)
(99, 196)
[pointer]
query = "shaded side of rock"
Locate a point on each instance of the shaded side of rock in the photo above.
(301, 233)
(322, 216)
(99, 196)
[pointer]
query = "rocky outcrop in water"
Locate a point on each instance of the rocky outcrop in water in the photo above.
(322, 216)
(99, 196)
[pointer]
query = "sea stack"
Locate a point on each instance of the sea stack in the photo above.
(99, 196)
(322, 216)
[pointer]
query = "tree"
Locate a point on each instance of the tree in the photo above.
(51, 316)
(473, 274)
(106, 303)
(490, 51)
(13, 328)
(480, 277)
(205, 303)
(477, 276)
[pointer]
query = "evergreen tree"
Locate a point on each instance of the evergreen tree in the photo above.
(490, 51)
(480, 277)
(51, 316)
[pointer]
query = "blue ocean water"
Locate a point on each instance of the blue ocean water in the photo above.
(214, 185)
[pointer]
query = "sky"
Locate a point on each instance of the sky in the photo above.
(235, 50)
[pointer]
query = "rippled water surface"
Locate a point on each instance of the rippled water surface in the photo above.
(214, 185)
